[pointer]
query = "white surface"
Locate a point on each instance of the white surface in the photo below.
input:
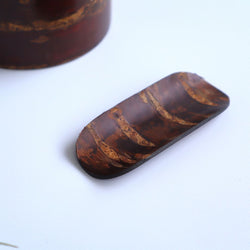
(194, 195)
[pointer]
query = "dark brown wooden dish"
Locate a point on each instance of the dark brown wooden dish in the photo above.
(143, 125)
(42, 33)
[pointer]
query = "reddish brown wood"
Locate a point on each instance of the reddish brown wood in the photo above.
(145, 124)
(42, 33)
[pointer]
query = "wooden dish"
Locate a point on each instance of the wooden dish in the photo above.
(143, 125)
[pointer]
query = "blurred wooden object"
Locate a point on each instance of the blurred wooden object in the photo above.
(42, 33)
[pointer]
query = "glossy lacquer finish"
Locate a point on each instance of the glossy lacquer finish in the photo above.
(143, 125)
(42, 33)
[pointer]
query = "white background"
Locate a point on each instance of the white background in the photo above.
(195, 195)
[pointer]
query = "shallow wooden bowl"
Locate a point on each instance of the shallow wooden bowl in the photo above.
(148, 122)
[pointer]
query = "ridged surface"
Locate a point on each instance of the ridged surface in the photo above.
(42, 33)
(146, 123)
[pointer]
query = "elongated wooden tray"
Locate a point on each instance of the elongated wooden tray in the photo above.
(143, 125)
(42, 33)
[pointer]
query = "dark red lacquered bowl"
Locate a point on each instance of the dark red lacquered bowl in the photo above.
(42, 33)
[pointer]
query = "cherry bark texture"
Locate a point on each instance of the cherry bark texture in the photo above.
(143, 125)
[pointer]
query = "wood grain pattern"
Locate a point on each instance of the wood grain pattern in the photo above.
(42, 33)
(143, 125)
